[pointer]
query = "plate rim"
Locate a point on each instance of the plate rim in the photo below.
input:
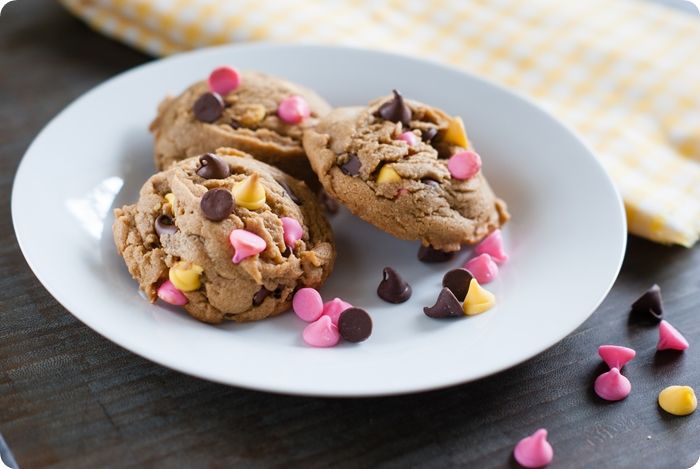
(299, 48)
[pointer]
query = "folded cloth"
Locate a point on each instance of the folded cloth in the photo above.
(624, 73)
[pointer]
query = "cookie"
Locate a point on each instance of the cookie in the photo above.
(226, 236)
(246, 117)
(408, 169)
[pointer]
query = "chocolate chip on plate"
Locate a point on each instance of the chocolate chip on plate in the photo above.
(446, 306)
(216, 204)
(164, 225)
(354, 325)
(208, 107)
(457, 280)
(393, 288)
(213, 167)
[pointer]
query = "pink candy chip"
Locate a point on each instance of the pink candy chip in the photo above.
(534, 451)
(483, 268)
(321, 333)
(292, 231)
(409, 137)
(464, 165)
(612, 386)
(493, 246)
(333, 308)
(168, 293)
(293, 110)
(223, 80)
(307, 304)
(246, 244)
(616, 356)
(670, 338)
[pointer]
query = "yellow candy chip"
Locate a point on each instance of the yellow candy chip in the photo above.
(388, 174)
(478, 300)
(249, 193)
(170, 198)
(455, 133)
(185, 276)
(678, 400)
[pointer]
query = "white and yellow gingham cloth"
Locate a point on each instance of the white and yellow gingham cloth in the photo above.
(625, 73)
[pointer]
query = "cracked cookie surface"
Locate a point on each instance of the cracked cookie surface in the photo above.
(260, 285)
(405, 189)
(248, 122)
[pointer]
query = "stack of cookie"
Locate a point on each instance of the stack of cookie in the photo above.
(231, 226)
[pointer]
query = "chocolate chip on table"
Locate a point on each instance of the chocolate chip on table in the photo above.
(393, 288)
(429, 134)
(216, 204)
(354, 325)
(649, 306)
(446, 306)
(428, 254)
(213, 167)
(260, 296)
(208, 107)
(396, 110)
(164, 225)
(328, 202)
(457, 281)
(352, 166)
(290, 192)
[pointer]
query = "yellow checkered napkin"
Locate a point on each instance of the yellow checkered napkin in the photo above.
(625, 73)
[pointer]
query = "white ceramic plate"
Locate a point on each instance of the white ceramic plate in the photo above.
(566, 238)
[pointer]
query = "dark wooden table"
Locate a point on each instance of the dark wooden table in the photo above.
(70, 398)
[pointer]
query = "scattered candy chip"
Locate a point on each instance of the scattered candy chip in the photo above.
(446, 306)
(292, 231)
(393, 288)
(321, 333)
(249, 193)
(616, 356)
(649, 306)
(429, 255)
(168, 293)
(185, 276)
(245, 244)
(455, 133)
(670, 338)
(678, 400)
(213, 167)
(307, 304)
(223, 80)
(409, 137)
(333, 308)
(396, 110)
(612, 386)
(464, 165)
(457, 280)
(208, 107)
(387, 174)
(534, 451)
(478, 299)
(482, 267)
(493, 246)
(293, 110)
(355, 325)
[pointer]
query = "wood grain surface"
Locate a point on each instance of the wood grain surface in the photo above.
(70, 398)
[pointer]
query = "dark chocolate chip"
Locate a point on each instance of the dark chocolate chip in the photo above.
(354, 325)
(287, 252)
(164, 225)
(234, 124)
(393, 288)
(278, 292)
(396, 110)
(216, 204)
(430, 182)
(446, 306)
(328, 202)
(260, 296)
(290, 192)
(649, 306)
(352, 166)
(457, 280)
(213, 167)
(208, 107)
(429, 134)
(430, 255)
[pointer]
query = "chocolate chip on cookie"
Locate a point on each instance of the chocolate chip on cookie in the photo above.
(213, 167)
(396, 110)
(352, 166)
(208, 107)
(164, 225)
(216, 204)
